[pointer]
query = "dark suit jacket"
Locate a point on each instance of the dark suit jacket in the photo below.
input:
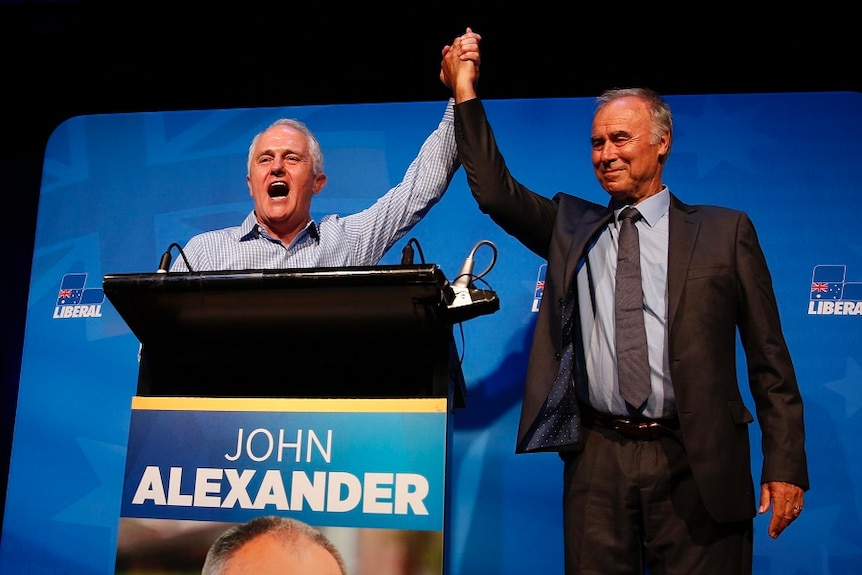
(718, 282)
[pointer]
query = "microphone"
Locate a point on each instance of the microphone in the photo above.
(407, 252)
(465, 276)
(466, 301)
(407, 255)
(466, 295)
(165, 261)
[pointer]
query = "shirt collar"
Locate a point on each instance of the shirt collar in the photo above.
(250, 229)
(652, 208)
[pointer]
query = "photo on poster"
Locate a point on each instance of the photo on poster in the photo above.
(179, 547)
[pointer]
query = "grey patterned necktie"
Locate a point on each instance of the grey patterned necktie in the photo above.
(632, 359)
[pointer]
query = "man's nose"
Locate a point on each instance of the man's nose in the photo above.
(609, 152)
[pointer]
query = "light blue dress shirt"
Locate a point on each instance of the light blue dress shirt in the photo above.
(595, 285)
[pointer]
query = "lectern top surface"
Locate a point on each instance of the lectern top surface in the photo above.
(193, 305)
(418, 274)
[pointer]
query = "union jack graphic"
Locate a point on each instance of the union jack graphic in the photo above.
(540, 287)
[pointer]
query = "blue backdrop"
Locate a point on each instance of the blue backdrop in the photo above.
(118, 189)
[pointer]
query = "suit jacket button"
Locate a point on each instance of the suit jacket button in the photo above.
(557, 356)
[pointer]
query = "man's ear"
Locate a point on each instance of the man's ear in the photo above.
(664, 148)
(319, 182)
(248, 183)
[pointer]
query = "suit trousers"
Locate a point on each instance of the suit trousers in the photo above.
(632, 507)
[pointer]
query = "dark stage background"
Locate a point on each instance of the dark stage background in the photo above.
(67, 58)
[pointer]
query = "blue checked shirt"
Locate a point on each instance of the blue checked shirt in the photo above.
(359, 239)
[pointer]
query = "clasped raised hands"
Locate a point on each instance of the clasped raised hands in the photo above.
(459, 69)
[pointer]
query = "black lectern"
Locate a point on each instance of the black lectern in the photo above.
(362, 347)
(348, 332)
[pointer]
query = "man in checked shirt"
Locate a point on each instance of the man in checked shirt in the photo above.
(285, 171)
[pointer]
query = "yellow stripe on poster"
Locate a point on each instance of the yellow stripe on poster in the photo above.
(307, 405)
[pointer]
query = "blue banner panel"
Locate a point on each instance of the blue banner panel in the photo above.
(118, 189)
(344, 463)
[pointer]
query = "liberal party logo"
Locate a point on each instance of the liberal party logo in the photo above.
(832, 294)
(540, 287)
(75, 300)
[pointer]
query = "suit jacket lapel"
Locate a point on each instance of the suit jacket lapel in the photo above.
(684, 225)
(585, 230)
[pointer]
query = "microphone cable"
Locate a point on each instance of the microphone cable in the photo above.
(165, 261)
(407, 252)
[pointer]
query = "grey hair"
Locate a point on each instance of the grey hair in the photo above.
(313, 144)
(287, 530)
(662, 119)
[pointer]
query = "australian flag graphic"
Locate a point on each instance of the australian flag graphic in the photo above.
(73, 292)
(829, 282)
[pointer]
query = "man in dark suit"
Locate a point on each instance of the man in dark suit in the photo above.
(665, 483)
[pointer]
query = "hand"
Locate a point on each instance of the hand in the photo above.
(459, 69)
(787, 502)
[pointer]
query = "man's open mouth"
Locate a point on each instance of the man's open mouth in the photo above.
(278, 190)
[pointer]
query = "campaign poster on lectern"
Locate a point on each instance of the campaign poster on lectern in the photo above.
(369, 473)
